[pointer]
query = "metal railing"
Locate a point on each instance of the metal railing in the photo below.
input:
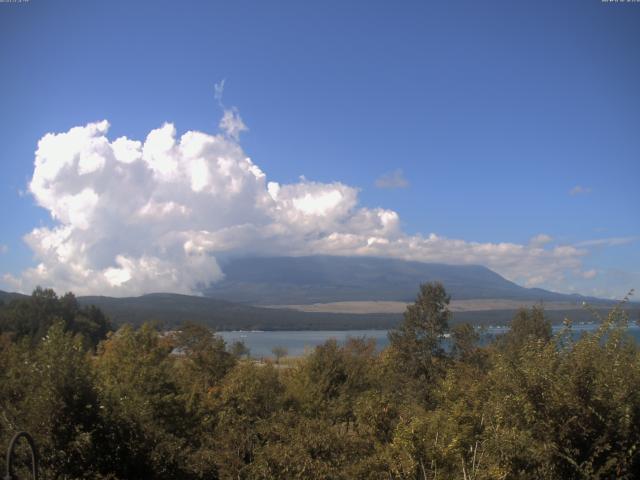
(10, 451)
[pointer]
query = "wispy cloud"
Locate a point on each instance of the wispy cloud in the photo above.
(218, 91)
(540, 240)
(3, 248)
(231, 123)
(607, 242)
(580, 190)
(393, 179)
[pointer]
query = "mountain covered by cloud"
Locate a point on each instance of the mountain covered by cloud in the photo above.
(133, 217)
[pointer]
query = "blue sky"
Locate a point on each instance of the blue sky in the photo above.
(493, 111)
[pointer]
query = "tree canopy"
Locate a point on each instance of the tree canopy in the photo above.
(182, 405)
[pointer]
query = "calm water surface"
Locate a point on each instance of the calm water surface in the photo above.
(298, 342)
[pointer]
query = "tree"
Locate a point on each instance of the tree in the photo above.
(31, 317)
(206, 358)
(239, 349)
(417, 342)
(249, 396)
(567, 411)
(328, 383)
(527, 326)
(49, 391)
(279, 352)
(144, 405)
(464, 341)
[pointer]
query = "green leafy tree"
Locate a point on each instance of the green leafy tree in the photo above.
(464, 343)
(279, 353)
(144, 405)
(527, 326)
(33, 316)
(49, 391)
(297, 447)
(569, 410)
(416, 345)
(331, 382)
(249, 397)
(239, 349)
(180, 405)
(204, 360)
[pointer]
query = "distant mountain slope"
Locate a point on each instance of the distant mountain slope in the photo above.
(171, 310)
(323, 279)
(6, 297)
(235, 302)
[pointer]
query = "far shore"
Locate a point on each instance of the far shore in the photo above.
(390, 307)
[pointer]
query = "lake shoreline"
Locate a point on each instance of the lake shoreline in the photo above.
(298, 342)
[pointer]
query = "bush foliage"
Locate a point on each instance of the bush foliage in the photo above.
(145, 404)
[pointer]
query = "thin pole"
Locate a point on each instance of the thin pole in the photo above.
(34, 455)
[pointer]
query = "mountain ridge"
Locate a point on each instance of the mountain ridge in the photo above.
(258, 293)
(324, 279)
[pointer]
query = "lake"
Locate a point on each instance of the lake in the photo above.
(298, 342)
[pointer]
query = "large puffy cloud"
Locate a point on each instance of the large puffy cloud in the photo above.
(134, 217)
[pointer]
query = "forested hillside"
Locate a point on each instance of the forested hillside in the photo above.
(140, 403)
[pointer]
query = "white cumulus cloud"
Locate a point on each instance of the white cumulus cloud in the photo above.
(133, 217)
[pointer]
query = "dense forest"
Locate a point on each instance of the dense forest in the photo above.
(139, 403)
